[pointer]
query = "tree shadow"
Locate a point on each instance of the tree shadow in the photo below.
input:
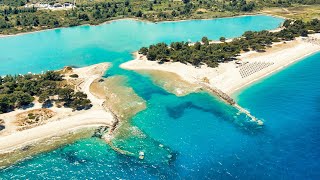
(24, 107)
(47, 104)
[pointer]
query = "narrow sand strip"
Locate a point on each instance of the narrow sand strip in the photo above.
(94, 118)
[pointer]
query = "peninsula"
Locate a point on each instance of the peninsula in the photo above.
(26, 128)
(232, 76)
(229, 65)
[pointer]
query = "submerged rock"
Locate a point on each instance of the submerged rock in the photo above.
(99, 132)
(141, 157)
(141, 153)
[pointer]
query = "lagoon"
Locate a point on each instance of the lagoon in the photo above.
(113, 41)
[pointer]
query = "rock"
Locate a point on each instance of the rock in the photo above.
(101, 80)
(141, 157)
(25, 148)
(100, 132)
(260, 123)
(2, 126)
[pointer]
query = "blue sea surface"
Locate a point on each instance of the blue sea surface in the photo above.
(191, 137)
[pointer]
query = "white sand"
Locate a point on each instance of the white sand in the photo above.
(90, 118)
(227, 76)
(65, 121)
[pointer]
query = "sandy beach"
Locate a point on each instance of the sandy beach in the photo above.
(64, 121)
(231, 77)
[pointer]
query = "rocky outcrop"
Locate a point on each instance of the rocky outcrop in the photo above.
(100, 131)
(225, 97)
(220, 94)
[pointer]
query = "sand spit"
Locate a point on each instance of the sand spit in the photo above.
(230, 77)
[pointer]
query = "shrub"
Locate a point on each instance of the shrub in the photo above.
(74, 75)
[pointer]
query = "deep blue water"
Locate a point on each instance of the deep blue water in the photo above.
(204, 138)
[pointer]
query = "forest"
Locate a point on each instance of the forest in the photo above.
(15, 18)
(212, 54)
(20, 91)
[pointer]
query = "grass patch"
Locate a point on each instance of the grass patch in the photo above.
(301, 12)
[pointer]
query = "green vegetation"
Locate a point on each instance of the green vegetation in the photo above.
(13, 2)
(20, 91)
(212, 54)
(301, 12)
(15, 18)
(74, 75)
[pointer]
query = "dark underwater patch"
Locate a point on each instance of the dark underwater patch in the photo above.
(176, 112)
(243, 122)
(72, 157)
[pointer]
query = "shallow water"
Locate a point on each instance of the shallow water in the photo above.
(191, 137)
(170, 82)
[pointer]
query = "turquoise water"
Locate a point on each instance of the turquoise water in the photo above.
(113, 42)
(204, 138)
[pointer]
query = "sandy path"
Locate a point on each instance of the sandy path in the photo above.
(90, 74)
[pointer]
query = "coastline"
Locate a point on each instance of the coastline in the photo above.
(45, 144)
(65, 122)
(139, 20)
(227, 76)
(302, 54)
(31, 136)
(235, 91)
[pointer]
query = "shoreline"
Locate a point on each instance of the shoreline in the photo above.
(45, 144)
(64, 122)
(31, 139)
(227, 77)
(235, 91)
(139, 20)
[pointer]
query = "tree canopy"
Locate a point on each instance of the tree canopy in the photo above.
(214, 53)
(14, 17)
(21, 90)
